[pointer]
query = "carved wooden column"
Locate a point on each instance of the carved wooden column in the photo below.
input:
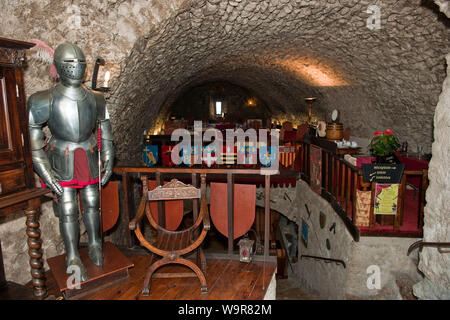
(35, 251)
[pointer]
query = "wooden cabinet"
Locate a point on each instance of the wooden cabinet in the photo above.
(16, 169)
(17, 184)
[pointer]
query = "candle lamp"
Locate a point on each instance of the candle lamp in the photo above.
(245, 249)
(100, 62)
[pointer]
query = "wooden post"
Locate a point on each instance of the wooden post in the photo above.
(266, 215)
(230, 203)
(195, 209)
(304, 159)
(127, 203)
(35, 252)
(308, 163)
(161, 213)
(338, 178)
(372, 201)
(365, 186)
(195, 201)
(349, 187)
(326, 171)
(354, 192)
(343, 186)
(398, 219)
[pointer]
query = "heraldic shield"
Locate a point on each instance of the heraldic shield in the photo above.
(209, 156)
(166, 155)
(268, 155)
(150, 155)
(287, 156)
(247, 154)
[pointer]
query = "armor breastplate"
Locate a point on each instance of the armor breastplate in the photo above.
(73, 114)
(72, 120)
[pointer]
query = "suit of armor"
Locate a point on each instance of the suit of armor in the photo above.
(68, 161)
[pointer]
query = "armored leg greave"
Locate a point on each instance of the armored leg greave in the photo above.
(69, 229)
(91, 218)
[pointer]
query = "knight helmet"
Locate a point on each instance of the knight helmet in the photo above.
(70, 63)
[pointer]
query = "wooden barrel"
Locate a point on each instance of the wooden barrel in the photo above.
(335, 131)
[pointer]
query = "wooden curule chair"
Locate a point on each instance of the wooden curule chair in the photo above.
(171, 246)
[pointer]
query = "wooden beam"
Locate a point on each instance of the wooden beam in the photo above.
(121, 170)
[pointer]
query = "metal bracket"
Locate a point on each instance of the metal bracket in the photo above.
(98, 62)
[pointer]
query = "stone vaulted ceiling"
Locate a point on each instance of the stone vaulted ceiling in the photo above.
(284, 50)
(287, 50)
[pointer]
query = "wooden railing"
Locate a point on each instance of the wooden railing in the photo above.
(339, 184)
(193, 174)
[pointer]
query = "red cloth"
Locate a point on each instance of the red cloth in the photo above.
(81, 174)
(360, 160)
(413, 164)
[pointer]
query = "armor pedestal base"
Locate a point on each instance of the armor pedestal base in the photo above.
(114, 270)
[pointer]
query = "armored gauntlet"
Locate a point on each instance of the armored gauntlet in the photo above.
(40, 160)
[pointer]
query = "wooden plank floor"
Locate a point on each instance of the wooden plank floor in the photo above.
(226, 279)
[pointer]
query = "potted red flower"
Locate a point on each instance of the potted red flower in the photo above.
(383, 146)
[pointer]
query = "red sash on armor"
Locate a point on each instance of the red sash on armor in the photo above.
(81, 174)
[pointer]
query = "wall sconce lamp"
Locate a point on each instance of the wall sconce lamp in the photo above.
(251, 102)
(100, 62)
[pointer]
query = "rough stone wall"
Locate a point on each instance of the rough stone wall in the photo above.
(396, 269)
(106, 28)
(14, 242)
(329, 280)
(325, 280)
(434, 265)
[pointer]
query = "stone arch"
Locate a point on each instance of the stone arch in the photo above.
(287, 50)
